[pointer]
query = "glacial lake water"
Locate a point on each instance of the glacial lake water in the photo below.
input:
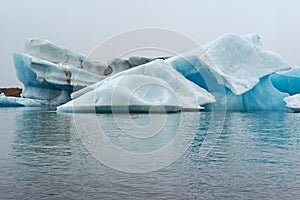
(229, 155)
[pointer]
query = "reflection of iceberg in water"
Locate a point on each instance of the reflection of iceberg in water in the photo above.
(40, 154)
(254, 153)
(142, 143)
(256, 150)
(34, 141)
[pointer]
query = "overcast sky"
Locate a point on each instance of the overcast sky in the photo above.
(80, 25)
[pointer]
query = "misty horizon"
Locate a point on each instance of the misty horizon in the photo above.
(83, 25)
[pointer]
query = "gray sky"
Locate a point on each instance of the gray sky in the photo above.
(81, 25)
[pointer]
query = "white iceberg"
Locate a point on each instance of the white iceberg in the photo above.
(150, 87)
(293, 102)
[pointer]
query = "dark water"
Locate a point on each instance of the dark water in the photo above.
(244, 156)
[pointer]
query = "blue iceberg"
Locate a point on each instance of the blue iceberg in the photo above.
(232, 72)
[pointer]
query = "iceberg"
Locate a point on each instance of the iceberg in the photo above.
(152, 87)
(293, 102)
(232, 72)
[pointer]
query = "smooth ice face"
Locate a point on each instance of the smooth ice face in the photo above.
(287, 81)
(264, 96)
(236, 61)
(293, 102)
(141, 88)
(35, 71)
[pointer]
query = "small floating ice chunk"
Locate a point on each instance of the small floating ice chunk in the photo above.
(21, 102)
(293, 102)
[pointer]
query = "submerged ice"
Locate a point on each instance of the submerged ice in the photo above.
(232, 72)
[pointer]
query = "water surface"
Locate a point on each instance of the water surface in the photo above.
(256, 155)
